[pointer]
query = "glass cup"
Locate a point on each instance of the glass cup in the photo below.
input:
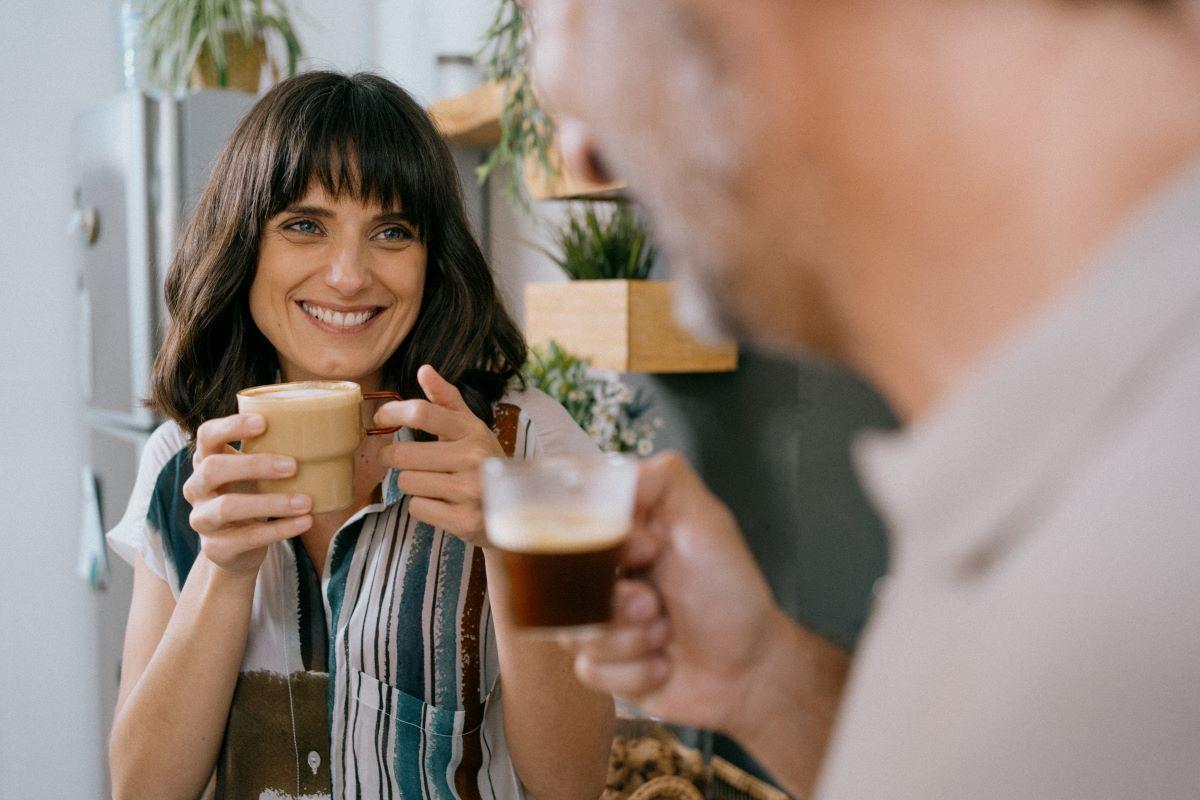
(318, 423)
(558, 525)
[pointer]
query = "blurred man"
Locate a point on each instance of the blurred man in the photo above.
(992, 211)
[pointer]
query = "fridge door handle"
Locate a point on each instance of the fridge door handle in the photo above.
(85, 225)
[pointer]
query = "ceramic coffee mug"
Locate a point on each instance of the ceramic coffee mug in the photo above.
(318, 423)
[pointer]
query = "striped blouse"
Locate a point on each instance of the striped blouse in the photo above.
(376, 679)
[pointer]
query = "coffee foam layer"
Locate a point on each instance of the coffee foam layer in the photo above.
(555, 530)
(310, 392)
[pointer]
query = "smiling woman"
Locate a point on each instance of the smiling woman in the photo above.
(346, 175)
(274, 652)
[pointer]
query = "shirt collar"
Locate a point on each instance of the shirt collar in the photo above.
(953, 480)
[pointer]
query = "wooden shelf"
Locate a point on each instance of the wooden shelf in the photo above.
(471, 119)
(627, 326)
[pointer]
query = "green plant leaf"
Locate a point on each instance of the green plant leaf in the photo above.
(525, 130)
(589, 245)
(176, 32)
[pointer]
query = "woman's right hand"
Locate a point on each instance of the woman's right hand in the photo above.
(235, 523)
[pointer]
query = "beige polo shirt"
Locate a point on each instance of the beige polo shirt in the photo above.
(1039, 633)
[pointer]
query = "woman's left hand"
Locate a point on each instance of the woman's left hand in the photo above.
(441, 477)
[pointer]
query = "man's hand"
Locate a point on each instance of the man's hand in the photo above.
(698, 638)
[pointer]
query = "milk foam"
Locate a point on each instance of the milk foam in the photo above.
(309, 392)
(554, 530)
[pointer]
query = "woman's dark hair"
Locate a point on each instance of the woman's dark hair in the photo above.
(358, 134)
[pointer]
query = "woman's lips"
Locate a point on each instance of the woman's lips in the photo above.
(337, 320)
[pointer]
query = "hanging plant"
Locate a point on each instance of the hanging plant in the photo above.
(525, 130)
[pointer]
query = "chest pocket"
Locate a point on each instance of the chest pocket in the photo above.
(414, 720)
(417, 749)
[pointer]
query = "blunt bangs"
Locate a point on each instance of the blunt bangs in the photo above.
(357, 139)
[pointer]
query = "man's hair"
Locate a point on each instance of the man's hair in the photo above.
(357, 135)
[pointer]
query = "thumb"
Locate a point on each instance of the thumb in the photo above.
(439, 390)
(659, 480)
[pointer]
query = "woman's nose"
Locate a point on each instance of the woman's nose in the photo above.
(349, 272)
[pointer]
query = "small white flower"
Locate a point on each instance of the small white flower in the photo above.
(658, 423)
(645, 447)
(629, 438)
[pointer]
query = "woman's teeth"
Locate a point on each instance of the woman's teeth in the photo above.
(339, 319)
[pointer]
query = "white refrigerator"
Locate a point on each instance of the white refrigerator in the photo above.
(140, 163)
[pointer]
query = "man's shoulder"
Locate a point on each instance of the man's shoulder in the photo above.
(1130, 489)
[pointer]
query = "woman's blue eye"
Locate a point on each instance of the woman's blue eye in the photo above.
(395, 234)
(304, 226)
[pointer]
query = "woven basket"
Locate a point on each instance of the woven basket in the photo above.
(667, 787)
(731, 783)
(726, 782)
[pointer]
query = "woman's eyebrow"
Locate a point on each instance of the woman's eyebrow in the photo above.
(394, 216)
(309, 211)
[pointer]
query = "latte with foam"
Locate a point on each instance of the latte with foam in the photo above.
(317, 423)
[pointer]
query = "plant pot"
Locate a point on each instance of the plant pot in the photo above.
(627, 326)
(244, 65)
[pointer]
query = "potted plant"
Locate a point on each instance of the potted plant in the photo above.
(609, 312)
(217, 43)
(614, 415)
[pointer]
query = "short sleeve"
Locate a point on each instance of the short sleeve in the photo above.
(545, 427)
(132, 535)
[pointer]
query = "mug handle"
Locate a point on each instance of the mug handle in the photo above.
(381, 396)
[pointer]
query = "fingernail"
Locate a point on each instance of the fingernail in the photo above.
(299, 502)
(256, 424)
(303, 523)
(658, 633)
(285, 466)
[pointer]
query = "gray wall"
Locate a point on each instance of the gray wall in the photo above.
(773, 441)
(56, 58)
